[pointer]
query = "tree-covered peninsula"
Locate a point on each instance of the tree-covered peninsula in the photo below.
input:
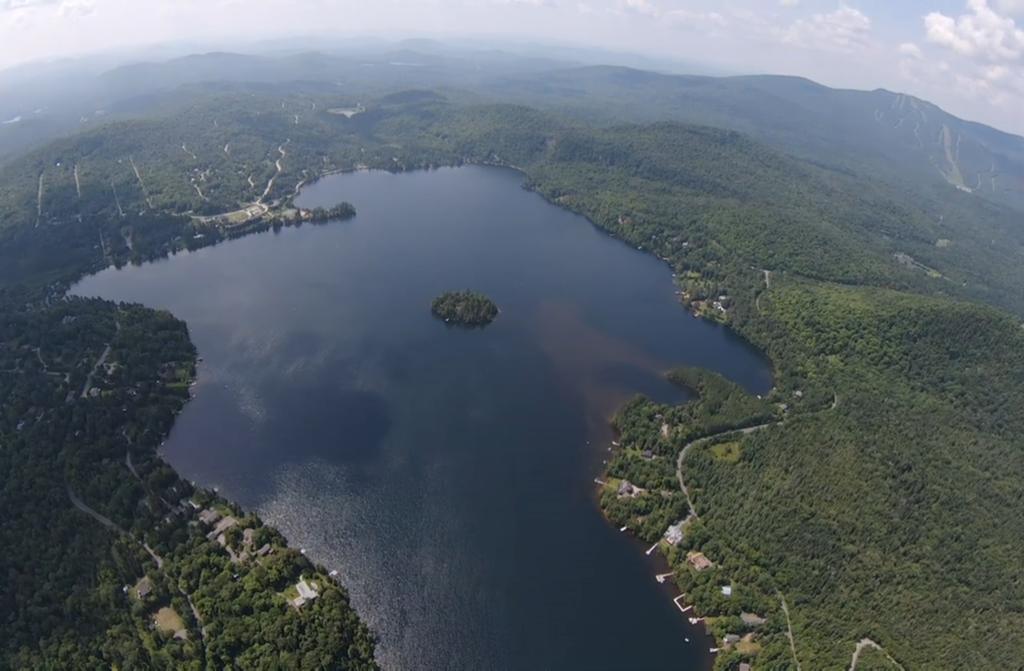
(464, 308)
(339, 212)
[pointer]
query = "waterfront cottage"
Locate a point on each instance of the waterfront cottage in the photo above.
(209, 516)
(674, 533)
(698, 561)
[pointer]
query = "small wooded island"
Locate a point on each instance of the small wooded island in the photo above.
(464, 308)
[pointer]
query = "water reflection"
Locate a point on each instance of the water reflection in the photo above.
(446, 474)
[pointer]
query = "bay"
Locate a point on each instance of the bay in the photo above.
(447, 474)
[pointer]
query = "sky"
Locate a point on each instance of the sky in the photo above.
(965, 55)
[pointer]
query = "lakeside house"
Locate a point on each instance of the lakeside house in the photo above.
(307, 592)
(628, 490)
(222, 526)
(698, 561)
(209, 516)
(674, 534)
(731, 639)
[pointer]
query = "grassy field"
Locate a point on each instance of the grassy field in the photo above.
(726, 451)
(166, 619)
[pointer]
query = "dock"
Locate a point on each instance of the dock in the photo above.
(653, 548)
(683, 609)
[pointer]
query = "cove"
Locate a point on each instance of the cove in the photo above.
(447, 474)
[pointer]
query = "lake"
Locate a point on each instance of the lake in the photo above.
(447, 474)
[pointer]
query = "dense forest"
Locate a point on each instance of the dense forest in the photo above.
(875, 494)
(108, 561)
(464, 308)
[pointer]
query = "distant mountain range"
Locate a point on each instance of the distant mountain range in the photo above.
(889, 135)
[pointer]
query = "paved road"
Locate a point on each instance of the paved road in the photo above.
(78, 503)
(689, 446)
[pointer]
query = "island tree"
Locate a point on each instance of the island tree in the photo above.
(465, 308)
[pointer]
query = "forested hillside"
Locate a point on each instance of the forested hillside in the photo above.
(110, 559)
(882, 501)
(869, 133)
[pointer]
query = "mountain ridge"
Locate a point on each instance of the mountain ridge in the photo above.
(879, 132)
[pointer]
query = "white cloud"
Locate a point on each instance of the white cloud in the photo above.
(975, 59)
(970, 60)
(72, 8)
(526, 3)
(644, 7)
(11, 5)
(910, 50)
(982, 33)
(680, 18)
(1010, 7)
(843, 29)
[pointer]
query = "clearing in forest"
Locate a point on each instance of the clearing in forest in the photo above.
(726, 451)
(167, 619)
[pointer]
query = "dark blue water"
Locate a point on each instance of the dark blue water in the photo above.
(447, 474)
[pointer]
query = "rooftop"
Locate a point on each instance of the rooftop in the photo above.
(307, 592)
(698, 561)
(209, 516)
(674, 534)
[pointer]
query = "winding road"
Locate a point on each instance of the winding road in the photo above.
(78, 503)
(142, 185)
(270, 184)
(789, 631)
(694, 516)
(82, 506)
(868, 643)
(742, 432)
(689, 446)
(95, 369)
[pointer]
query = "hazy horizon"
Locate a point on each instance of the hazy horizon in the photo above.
(965, 56)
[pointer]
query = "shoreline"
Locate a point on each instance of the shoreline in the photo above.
(657, 563)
